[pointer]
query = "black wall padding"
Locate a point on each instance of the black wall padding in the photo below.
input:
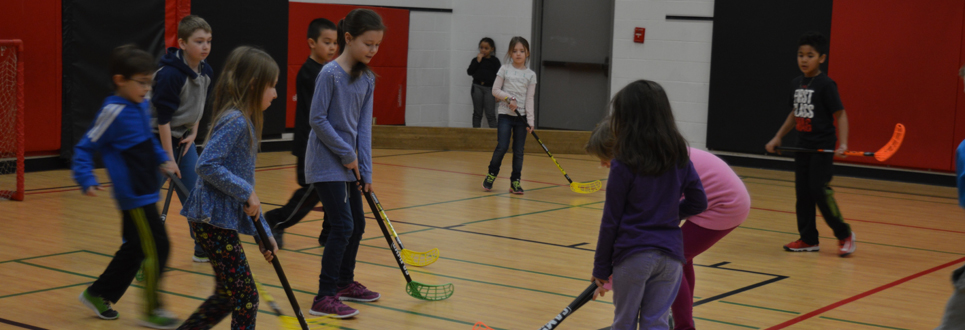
(754, 58)
(91, 30)
(259, 23)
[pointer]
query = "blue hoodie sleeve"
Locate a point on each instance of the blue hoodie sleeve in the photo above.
(101, 133)
(960, 173)
(365, 136)
(166, 97)
(228, 132)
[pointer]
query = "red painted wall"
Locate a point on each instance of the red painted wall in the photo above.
(389, 63)
(896, 61)
(38, 25)
(174, 11)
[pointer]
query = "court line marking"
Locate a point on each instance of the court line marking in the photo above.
(862, 242)
(21, 325)
(862, 323)
(209, 275)
(851, 299)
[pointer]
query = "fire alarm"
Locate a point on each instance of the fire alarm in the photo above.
(638, 34)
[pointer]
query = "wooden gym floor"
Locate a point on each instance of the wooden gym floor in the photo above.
(516, 261)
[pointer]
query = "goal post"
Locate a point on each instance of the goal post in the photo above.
(11, 119)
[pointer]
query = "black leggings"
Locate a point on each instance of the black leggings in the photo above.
(812, 174)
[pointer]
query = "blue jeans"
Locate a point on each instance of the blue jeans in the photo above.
(188, 176)
(515, 127)
(343, 205)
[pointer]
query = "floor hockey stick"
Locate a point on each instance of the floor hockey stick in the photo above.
(288, 322)
(580, 300)
(580, 187)
(415, 289)
(167, 201)
(265, 239)
(418, 259)
(881, 155)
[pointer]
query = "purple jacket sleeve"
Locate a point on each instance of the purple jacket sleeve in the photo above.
(695, 200)
(617, 188)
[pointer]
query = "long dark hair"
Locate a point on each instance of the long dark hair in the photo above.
(357, 22)
(647, 139)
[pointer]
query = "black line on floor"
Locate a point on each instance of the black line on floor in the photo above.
(412, 153)
(733, 292)
(578, 244)
(719, 264)
(22, 325)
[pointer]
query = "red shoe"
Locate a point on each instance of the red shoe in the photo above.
(846, 246)
(800, 246)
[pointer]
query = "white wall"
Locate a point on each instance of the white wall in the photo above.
(471, 21)
(675, 54)
(427, 78)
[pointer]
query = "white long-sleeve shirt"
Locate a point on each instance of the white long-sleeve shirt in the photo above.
(521, 84)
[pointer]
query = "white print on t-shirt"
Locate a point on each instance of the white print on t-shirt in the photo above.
(802, 103)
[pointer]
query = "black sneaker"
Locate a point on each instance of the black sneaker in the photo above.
(99, 305)
(515, 188)
(488, 181)
(200, 257)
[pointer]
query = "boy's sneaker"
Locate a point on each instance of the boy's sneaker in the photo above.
(357, 292)
(200, 257)
(846, 246)
(160, 319)
(488, 181)
(800, 246)
(99, 305)
(332, 307)
(515, 188)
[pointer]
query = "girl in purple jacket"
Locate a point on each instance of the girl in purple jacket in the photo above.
(640, 240)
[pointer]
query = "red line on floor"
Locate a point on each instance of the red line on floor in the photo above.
(870, 221)
(824, 309)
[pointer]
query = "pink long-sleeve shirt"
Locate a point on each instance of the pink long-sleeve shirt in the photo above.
(728, 202)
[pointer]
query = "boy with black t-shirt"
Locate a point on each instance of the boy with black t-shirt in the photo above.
(323, 43)
(815, 105)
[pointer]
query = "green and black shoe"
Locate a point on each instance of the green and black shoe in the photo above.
(99, 305)
(488, 181)
(515, 188)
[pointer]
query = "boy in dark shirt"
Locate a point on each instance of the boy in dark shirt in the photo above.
(816, 104)
(323, 43)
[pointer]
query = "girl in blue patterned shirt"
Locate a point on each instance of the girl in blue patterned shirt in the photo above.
(339, 148)
(223, 200)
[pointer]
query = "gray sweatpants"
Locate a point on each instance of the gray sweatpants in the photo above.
(483, 102)
(644, 286)
(955, 310)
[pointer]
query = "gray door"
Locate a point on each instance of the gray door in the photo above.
(574, 40)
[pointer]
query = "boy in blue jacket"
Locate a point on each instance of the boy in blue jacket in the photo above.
(122, 134)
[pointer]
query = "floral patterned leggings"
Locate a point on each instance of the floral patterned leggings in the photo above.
(235, 290)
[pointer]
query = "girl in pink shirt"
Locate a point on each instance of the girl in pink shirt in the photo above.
(728, 204)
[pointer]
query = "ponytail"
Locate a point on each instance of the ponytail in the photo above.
(356, 23)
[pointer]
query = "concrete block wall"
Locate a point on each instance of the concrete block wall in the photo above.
(676, 54)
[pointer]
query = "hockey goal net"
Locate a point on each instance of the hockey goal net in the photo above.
(11, 120)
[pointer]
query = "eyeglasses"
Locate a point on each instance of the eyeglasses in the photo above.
(145, 84)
